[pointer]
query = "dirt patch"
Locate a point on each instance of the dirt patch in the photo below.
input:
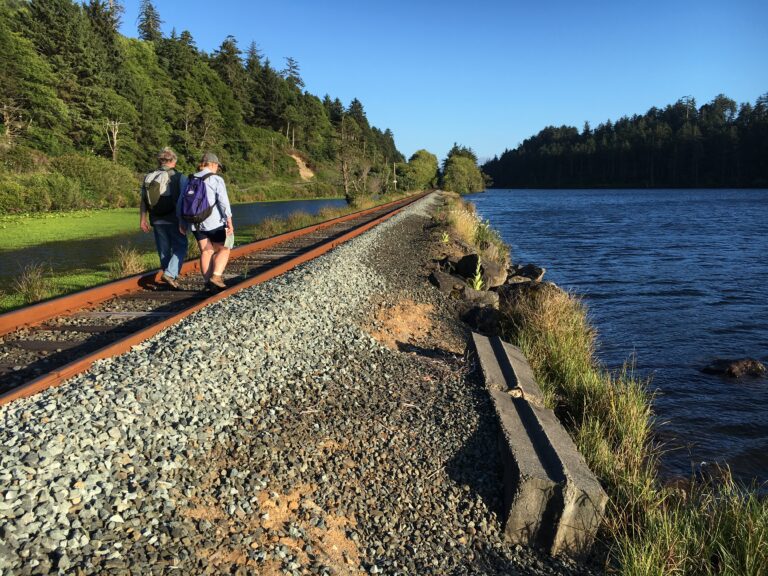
(332, 545)
(404, 322)
(272, 518)
(305, 171)
(406, 325)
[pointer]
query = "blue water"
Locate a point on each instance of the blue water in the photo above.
(676, 278)
(92, 253)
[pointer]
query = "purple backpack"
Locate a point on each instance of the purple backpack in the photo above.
(194, 203)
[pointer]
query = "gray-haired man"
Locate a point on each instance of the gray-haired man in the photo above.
(160, 192)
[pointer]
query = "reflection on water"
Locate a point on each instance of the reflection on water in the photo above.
(675, 277)
(91, 254)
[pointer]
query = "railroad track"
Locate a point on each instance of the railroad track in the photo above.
(44, 344)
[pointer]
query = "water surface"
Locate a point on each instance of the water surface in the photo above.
(676, 278)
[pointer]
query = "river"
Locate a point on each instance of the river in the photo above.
(675, 278)
(92, 253)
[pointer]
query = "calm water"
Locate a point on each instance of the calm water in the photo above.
(676, 278)
(93, 253)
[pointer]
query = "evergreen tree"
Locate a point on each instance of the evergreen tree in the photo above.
(149, 22)
(292, 75)
(227, 61)
(253, 60)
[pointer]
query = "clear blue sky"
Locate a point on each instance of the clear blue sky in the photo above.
(488, 74)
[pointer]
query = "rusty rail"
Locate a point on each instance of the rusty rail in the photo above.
(69, 304)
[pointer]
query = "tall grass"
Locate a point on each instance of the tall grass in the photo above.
(126, 261)
(33, 283)
(463, 221)
(650, 529)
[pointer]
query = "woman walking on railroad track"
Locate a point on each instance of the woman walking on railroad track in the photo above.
(205, 208)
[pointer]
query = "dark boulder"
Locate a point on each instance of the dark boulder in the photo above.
(518, 279)
(482, 319)
(535, 273)
(735, 368)
(493, 274)
(481, 297)
(467, 265)
(445, 282)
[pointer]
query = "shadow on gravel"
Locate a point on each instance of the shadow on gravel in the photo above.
(478, 464)
(432, 353)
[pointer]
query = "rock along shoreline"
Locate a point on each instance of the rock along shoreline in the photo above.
(271, 433)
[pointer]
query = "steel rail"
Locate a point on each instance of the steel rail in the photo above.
(134, 283)
(37, 313)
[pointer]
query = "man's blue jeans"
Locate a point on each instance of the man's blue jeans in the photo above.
(171, 247)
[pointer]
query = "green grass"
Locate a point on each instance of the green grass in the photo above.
(22, 231)
(73, 281)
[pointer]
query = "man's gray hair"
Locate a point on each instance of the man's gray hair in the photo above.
(167, 155)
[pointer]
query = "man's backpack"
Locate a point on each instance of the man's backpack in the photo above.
(158, 194)
(194, 202)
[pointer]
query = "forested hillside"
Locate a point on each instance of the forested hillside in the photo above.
(719, 144)
(84, 110)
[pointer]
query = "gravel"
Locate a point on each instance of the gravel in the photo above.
(269, 433)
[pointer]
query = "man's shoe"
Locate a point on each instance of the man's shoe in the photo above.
(217, 281)
(170, 281)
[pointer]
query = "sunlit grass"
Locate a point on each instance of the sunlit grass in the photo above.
(21, 231)
(461, 218)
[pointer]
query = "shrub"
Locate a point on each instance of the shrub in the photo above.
(38, 192)
(11, 191)
(21, 159)
(104, 183)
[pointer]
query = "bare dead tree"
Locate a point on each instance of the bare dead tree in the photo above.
(112, 128)
(14, 122)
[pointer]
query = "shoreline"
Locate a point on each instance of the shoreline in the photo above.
(694, 527)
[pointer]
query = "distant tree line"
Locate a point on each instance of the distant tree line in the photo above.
(73, 87)
(719, 144)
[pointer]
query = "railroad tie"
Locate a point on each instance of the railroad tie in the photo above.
(552, 499)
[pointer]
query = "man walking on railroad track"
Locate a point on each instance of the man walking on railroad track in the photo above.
(160, 193)
(204, 206)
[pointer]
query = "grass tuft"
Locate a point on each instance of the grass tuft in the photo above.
(33, 283)
(462, 219)
(126, 261)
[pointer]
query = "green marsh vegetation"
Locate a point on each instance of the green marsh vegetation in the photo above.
(24, 230)
(703, 526)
